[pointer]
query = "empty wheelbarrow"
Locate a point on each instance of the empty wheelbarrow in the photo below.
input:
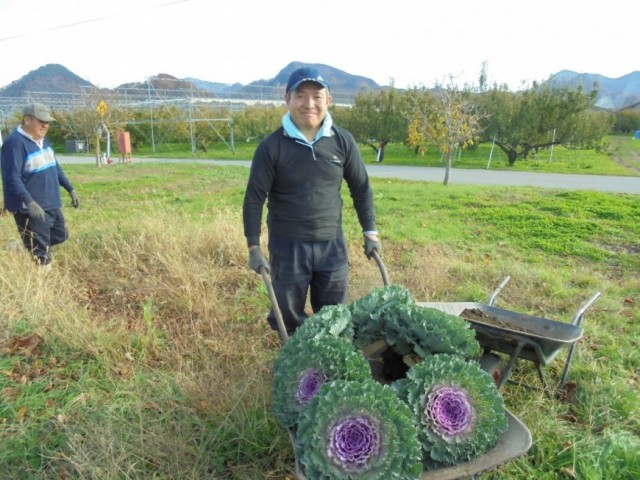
(518, 335)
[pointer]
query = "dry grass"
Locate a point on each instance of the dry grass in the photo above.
(165, 309)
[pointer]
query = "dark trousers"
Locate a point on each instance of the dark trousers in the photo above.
(38, 236)
(297, 268)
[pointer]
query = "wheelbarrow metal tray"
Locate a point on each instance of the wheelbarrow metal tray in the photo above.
(514, 442)
(542, 338)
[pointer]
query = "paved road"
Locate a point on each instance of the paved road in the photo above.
(602, 183)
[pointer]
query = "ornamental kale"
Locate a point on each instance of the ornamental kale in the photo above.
(358, 430)
(304, 365)
(459, 411)
(423, 331)
(334, 320)
(412, 331)
(369, 312)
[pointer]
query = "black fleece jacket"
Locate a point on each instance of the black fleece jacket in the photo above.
(302, 183)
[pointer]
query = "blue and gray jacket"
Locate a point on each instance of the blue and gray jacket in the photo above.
(30, 172)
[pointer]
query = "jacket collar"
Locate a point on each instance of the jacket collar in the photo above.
(292, 131)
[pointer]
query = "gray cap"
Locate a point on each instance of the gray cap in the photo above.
(40, 111)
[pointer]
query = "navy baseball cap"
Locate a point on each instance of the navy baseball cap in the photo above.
(305, 74)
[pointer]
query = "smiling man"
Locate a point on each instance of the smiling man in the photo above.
(298, 170)
(31, 181)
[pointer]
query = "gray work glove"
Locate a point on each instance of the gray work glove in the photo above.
(75, 203)
(257, 260)
(370, 245)
(35, 210)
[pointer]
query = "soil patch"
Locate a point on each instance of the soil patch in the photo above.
(477, 315)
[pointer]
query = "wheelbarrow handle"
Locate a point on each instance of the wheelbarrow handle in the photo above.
(576, 321)
(282, 331)
(383, 269)
(266, 278)
(494, 296)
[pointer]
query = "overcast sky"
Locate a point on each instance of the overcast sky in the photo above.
(409, 42)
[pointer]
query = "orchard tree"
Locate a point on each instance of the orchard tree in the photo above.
(591, 126)
(209, 125)
(376, 118)
(155, 125)
(446, 118)
(627, 120)
(139, 127)
(97, 121)
(256, 122)
(536, 118)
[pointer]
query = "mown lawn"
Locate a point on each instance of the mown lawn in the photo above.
(620, 156)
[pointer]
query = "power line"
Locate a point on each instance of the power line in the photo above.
(83, 22)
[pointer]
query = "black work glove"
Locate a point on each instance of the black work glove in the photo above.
(257, 260)
(75, 203)
(35, 210)
(370, 245)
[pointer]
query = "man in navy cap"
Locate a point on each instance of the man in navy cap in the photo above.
(298, 170)
(31, 181)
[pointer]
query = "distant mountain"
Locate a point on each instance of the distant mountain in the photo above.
(613, 93)
(215, 87)
(51, 78)
(58, 79)
(164, 81)
(338, 80)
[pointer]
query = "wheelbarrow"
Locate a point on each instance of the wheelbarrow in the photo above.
(514, 442)
(518, 335)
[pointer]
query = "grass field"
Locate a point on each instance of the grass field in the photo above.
(620, 157)
(144, 352)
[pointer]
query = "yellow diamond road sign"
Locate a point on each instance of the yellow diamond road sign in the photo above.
(102, 108)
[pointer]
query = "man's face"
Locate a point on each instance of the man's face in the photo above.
(34, 127)
(308, 105)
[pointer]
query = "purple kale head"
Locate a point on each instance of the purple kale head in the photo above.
(449, 410)
(304, 365)
(358, 429)
(354, 441)
(459, 411)
(310, 382)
